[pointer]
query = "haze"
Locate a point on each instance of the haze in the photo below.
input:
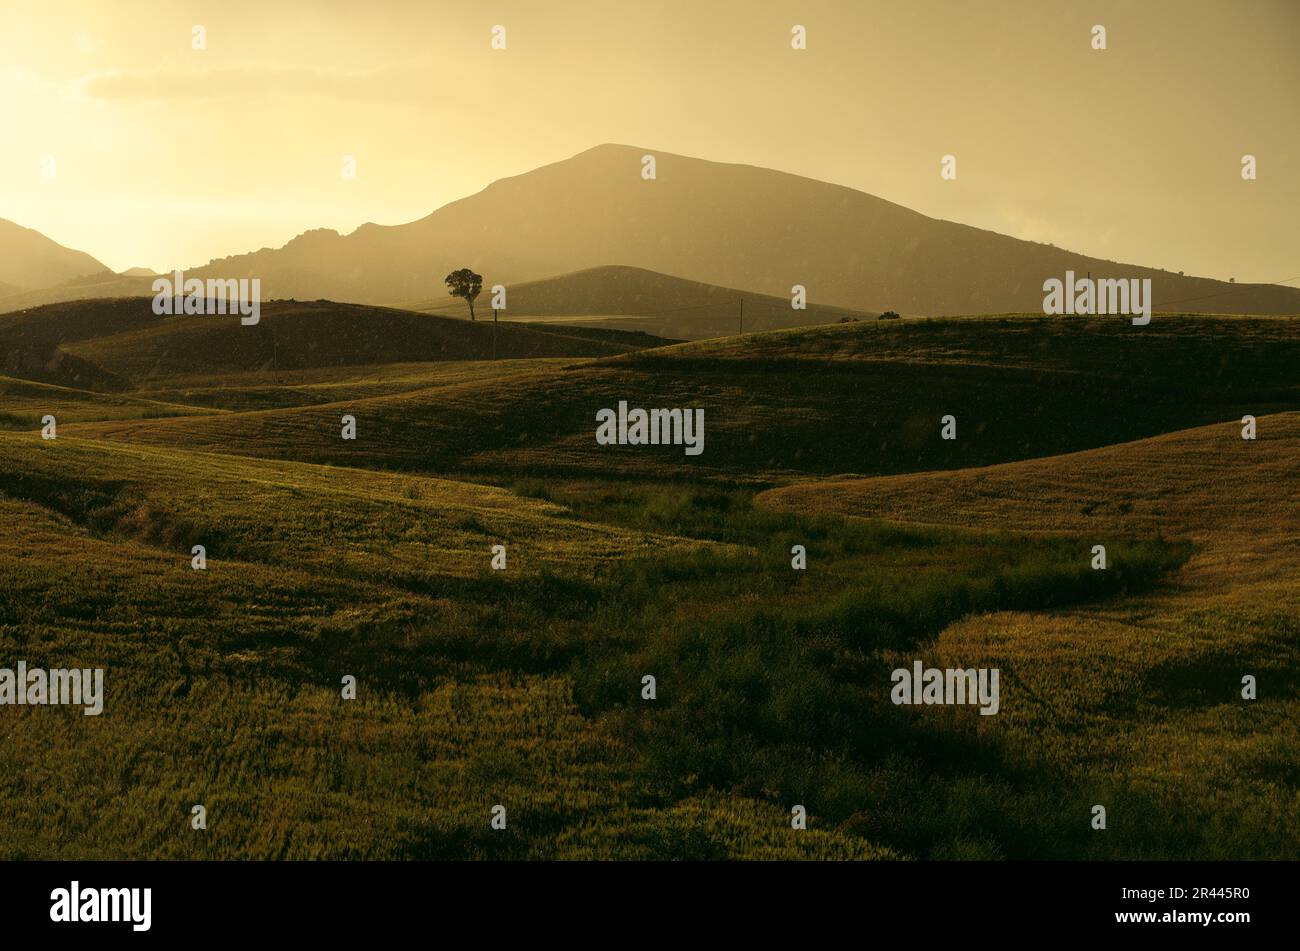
(167, 156)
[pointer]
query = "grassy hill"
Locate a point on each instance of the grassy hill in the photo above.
(632, 298)
(269, 389)
(223, 685)
(1159, 672)
(23, 404)
(863, 398)
(475, 686)
(119, 343)
(523, 686)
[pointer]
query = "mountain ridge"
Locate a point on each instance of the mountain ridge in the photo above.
(729, 224)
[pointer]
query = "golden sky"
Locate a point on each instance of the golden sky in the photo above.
(168, 156)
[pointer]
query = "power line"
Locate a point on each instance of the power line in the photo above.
(1232, 290)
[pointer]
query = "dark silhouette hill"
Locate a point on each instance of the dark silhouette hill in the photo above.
(28, 259)
(632, 298)
(115, 343)
(731, 225)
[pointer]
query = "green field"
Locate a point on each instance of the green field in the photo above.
(523, 687)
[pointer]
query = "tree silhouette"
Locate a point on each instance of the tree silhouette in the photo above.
(465, 283)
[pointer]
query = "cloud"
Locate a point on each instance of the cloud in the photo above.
(257, 79)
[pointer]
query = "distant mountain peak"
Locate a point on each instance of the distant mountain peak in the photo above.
(312, 236)
(723, 224)
(29, 259)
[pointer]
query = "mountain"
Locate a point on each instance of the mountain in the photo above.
(730, 225)
(632, 298)
(138, 272)
(28, 259)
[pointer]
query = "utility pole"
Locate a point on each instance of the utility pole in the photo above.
(742, 316)
(494, 333)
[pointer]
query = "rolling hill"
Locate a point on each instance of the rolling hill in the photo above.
(1206, 483)
(23, 404)
(1155, 682)
(731, 225)
(312, 574)
(117, 343)
(479, 686)
(98, 286)
(864, 398)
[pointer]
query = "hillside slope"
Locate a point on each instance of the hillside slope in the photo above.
(1207, 483)
(223, 685)
(633, 298)
(28, 259)
(117, 343)
(1154, 682)
(861, 398)
(98, 286)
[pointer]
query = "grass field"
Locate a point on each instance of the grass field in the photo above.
(26, 403)
(862, 398)
(1149, 689)
(523, 686)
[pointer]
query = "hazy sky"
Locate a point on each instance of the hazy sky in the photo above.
(170, 156)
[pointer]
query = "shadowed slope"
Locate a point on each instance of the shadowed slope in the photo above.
(1207, 483)
(865, 398)
(121, 341)
(633, 298)
(1146, 695)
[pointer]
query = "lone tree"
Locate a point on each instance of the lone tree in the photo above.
(465, 283)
